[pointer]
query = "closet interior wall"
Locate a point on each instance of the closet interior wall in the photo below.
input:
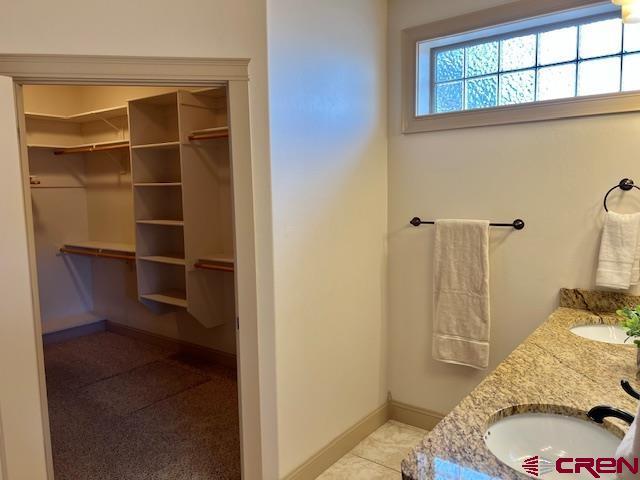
(92, 197)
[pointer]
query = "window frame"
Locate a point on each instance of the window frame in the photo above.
(501, 16)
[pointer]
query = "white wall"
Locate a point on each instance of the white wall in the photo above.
(327, 74)
(194, 28)
(551, 174)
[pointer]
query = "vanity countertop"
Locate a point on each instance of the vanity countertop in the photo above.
(553, 369)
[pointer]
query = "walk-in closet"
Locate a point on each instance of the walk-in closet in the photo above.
(133, 224)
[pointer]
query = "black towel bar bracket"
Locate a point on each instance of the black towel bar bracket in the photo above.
(518, 223)
(625, 185)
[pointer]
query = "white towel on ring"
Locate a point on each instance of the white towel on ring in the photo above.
(619, 259)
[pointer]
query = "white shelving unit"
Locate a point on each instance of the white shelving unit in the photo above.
(155, 154)
(182, 199)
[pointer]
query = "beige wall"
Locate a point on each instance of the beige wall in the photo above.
(552, 174)
(327, 98)
(190, 28)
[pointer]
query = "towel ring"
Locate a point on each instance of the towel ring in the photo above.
(625, 184)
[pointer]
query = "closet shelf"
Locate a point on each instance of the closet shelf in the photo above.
(98, 245)
(209, 133)
(168, 259)
(157, 146)
(169, 223)
(83, 148)
(177, 298)
(85, 117)
(158, 184)
(117, 251)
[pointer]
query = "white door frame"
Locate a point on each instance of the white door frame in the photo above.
(115, 70)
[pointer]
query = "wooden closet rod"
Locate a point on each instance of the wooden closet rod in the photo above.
(89, 253)
(92, 148)
(212, 266)
(206, 134)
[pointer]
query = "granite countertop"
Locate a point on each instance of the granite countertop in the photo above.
(553, 370)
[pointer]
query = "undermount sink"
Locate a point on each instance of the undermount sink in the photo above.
(549, 436)
(602, 333)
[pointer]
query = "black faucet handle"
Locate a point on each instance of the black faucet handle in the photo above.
(599, 413)
(626, 386)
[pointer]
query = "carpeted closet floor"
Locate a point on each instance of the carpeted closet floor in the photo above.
(126, 410)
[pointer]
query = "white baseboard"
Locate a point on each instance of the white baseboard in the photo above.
(344, 443)
(414, 416)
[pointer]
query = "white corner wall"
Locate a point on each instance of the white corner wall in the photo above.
(552, 174)
(327, 73)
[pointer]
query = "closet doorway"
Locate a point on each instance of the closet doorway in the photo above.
(132, 216)
(137, 276)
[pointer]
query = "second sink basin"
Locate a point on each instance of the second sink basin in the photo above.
(602, 333)
(549, 436)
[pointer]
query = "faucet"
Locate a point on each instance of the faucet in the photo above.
(599, 413)
(626, 386)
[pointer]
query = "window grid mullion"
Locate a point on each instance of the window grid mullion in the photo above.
(575, 86)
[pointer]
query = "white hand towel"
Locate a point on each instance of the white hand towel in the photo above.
(461, 292)
(619, 251)
(629, 448)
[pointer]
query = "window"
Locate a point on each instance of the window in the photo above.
(521, 62)
(595, 56)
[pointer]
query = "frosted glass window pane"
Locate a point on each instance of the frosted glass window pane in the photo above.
(449, 65)
(599, 76)
(517, 87)
(601, 38)
(482, 59)
(631, 72)
(557, 82)
(517, 53)
(482, 92)
(632, 37)
(423, 93)
(448, 97)
(558, 46)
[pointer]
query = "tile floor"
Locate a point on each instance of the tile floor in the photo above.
(378, 456)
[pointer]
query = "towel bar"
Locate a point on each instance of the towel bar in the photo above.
(518, 223)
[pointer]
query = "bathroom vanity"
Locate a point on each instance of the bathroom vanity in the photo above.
(552, 371)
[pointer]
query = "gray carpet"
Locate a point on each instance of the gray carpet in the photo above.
(123, 409)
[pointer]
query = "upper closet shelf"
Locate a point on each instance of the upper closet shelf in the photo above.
(209, 133)
(83, 148)
(85, 117)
